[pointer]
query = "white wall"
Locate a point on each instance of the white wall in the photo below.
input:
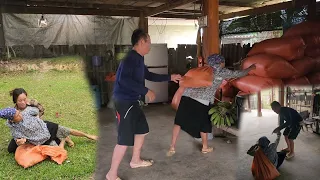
(172, 33)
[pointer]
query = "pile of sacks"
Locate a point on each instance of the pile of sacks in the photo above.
(293, 59)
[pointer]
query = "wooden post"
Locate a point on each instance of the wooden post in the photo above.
(249, 104)
(312, 101)
(259, 104)
(211, 41)
(281, 95)
(143, 22)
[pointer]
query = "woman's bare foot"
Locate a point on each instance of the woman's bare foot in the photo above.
(69, 142)
(171, 152)
(290, 155)
(207, 150)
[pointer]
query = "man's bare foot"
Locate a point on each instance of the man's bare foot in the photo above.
(109, 177)
(142, 163)
(69, 142)
(92, 137)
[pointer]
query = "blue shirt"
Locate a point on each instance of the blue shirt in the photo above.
(130, 78)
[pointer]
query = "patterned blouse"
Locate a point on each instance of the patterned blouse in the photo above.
(31, 127)
(208, 93)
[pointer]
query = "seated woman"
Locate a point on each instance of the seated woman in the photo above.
(26, 128)
(270, 150)
(33, 108)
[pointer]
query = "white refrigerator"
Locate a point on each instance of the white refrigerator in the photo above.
(157, 62)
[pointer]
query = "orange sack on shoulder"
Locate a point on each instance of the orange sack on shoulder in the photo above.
(269, 66)
(28, 155)
(198, 77)
(288, 48)
(262, 168)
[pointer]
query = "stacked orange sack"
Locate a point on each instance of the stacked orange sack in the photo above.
(293, 59)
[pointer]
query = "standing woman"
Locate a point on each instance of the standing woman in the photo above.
(32, 107)
(192, 114)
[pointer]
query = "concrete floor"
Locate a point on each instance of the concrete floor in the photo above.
(306, 163)
(187, 164)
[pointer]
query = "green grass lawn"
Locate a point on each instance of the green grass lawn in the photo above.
(68, 94)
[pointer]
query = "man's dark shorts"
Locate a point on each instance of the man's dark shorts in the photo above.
(292, 132)
(130, 121)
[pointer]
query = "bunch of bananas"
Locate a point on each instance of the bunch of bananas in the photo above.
(223, 114)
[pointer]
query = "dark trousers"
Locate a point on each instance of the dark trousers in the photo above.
(281, 157)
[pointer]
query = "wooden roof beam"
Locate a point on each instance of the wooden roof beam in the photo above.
(168, 6)
(260, 10)
(63, 10)
(70, 5)
(177, 16)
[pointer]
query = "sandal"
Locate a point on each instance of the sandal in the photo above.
(208, 150)
(289, 156)
(285, 150)
(145, 163)
(171, 152)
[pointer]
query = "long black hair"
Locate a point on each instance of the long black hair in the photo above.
(16, 93)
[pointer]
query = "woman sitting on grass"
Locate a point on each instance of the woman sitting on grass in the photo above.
(33, 108)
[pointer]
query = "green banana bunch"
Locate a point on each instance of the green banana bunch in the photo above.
(223, 114)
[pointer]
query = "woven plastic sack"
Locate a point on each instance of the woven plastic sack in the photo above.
(304, 66)
(28, 155)
(314, 78)
(301, 81)
(313, 52)
(269, 66)
(197, 77)
(287, 48)
(262, 168)
(253, 84)
(304, 28)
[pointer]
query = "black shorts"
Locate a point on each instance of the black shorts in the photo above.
(292, 132)
(130, 121)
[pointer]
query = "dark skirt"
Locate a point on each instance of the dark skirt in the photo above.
(192, 116)
(52, 127)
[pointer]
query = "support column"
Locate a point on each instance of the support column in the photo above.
(2, 39)
(281, 95)
(143, 22)
(249, 104)
(211, 41)
(259, 104)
